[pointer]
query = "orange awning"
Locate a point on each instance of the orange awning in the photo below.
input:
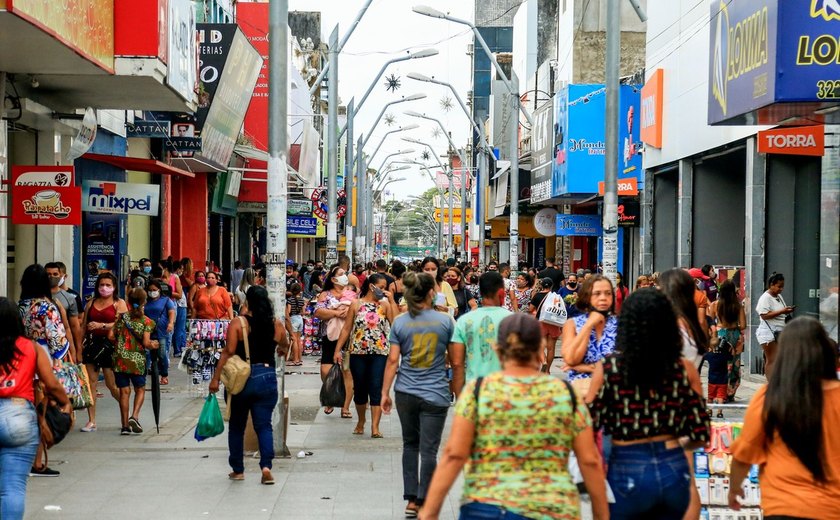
(138, 165)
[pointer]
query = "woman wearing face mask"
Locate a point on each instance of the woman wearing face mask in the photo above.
(444, 296)
(569, 291)
(589, 337)
(333, 303)
(366, 326)
(466, 302)
(101, 313)
(162, 311)
(522, 292)
(213, 302)
(200, 283)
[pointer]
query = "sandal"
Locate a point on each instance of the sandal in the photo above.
(359, 431)
(267, 479)
(236, 476)
(164, 380)
(328, 410)
(376, 435)
(346, 415)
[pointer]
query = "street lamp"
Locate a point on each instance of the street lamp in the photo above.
(380, 176)
(412, 97)
(512, 85)
(400, 129)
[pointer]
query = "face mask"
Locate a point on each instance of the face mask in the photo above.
(106, 291)
(55, 282)
(310, 267)
(377, 293)
(147, 269)
(154, 295)
(62, 280)
(433, 274)
(342, 280)
(521, 283)
(212, 282)
(200, 279)
(572, 284)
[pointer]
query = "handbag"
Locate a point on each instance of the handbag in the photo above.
(54, 424)
(76, 384)
(236, 371)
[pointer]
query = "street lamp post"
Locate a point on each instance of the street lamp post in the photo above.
(512, 85)
(400, 129)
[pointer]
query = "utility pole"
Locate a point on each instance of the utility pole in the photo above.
(278, 81)
(514, 172)
(610, 211)
(349, 182)
(332, 151)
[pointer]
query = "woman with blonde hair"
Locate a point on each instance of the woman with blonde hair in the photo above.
(515, 430)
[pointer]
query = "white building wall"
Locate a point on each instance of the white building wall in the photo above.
(678, 42)
(525, 41)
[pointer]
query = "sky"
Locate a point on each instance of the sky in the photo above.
(390, 29)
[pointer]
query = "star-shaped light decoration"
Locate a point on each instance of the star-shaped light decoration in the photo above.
(446, 103)
(425, 155)
(436, 133)
(390, 119)
(392, 83)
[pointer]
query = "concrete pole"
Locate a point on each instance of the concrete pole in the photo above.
(514, 172)
(364, 225)
(4, 197)
(349, 182)
(358, 241)
(278, 188)
(332, 152)
(481, 199)
(464, 245)
(610, 216)
(370, 225)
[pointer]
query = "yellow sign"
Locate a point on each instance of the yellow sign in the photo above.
(456, 215)
(85, 26)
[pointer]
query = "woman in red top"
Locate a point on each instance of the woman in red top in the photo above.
(101, 314)
(20, 360)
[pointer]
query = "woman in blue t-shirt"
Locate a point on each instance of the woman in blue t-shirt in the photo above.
(161, 310)
(420, 337)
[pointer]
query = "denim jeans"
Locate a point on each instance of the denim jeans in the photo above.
(180, 338)
(19, 437)
(368, 372)
(482, 511)
(163, 356)
(649, 481)
(259, 397)
(422, 426)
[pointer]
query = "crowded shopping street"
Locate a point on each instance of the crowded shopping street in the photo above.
(380, 259)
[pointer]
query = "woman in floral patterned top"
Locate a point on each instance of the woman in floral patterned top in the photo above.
(515, 430)
(132, 336)
(367, 326)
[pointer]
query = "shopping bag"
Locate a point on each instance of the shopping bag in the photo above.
(553, 310)
(210, 422)
(75, 382)
(332, 391)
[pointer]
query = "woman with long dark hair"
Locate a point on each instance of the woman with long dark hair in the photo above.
(420, 338)
(466, 302)
(266, 337)
(515, 431)
(21, 359)
(731, 321)
(649, 471)
(367, 326)
(790, 429)
(773, 313)
(444, 296)
(333, 304)
(213, 301)
(679, 287)
(397, 271)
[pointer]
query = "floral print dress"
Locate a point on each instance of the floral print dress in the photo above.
(42, 323)
(370, 330)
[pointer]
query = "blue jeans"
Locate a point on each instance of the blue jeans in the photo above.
(422, 426)
(482, 511)
(649, 481)
(259, 397)
(368, 373)
(19, 437)
(180, 338)
(163, 356)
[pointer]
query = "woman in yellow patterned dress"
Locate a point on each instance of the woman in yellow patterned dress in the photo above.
(367, 326)
(514, 430)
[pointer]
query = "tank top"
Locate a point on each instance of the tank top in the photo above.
(296, 304)
(19, 380)
(370, 330)
(106, 315)
(261, 345)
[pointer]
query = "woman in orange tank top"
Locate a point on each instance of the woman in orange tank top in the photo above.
(213, 302)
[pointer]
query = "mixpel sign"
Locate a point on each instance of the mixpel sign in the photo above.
(121, 198)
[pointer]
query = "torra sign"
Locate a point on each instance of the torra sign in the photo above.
(800, 140)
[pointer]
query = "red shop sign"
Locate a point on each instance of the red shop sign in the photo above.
(45, 205)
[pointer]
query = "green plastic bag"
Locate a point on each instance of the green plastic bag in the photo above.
(210, 422)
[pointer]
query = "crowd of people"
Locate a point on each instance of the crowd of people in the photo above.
(624, 410)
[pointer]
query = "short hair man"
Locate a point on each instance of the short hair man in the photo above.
(68, 303)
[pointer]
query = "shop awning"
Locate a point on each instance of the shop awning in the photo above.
(138, 165)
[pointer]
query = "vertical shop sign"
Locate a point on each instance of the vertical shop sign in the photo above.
(181, 64)
(542, 156)
(253, 20)
(651, 118)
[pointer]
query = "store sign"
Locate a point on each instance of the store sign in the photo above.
(307, 226)
(457, 214)
(252, 18)
(798, 140)
(143, 128)
(651, 108)
(121, 198)
(629, 213)
(545, 222)
(578, 225)
(104, 243)
(46, 205)
(84, 139)
(299, 208)
(626, 187)
(542, 156)
(580, 143)
(55, 176)
(86, 27)
(320, 207)
(181, 65)
(764, 54)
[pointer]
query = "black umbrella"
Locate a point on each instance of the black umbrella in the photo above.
(156, 388)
